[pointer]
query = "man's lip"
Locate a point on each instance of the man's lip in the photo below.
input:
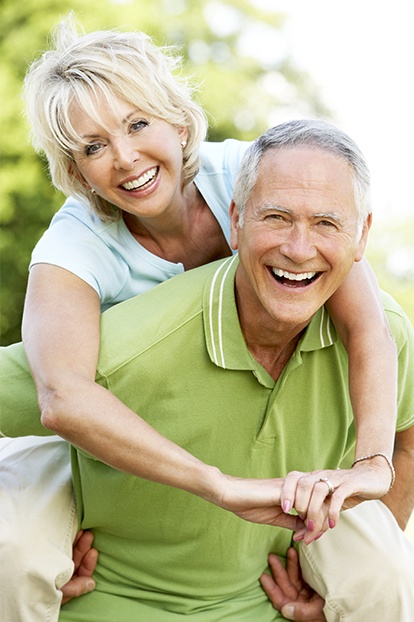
(294, 279)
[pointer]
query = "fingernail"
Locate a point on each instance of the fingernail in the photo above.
(287, 506)
(298, 537)
(331, 523)
(311, 525)
(288, 611)
(90, 585)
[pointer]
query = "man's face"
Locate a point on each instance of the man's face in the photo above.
(299, 238)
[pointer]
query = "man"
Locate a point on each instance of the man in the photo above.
(222, 360)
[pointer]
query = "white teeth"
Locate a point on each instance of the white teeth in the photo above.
(292, 276)
(141, 181)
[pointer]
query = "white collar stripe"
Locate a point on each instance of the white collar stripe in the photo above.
(325, 332)
(219, 314)
(321, 327)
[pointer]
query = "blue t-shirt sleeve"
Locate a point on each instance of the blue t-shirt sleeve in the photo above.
(75, 241)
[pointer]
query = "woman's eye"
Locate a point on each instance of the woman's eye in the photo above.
(92, 149)
(138, 125)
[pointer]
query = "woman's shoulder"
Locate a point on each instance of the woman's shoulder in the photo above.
(222, 157)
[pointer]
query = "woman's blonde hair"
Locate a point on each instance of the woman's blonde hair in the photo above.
(83, 68)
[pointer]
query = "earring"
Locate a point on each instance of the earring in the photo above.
(93, 191)
(183, 144)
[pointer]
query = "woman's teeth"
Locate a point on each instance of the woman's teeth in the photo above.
(142, 180)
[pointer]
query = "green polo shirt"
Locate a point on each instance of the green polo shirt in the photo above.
(177, 356)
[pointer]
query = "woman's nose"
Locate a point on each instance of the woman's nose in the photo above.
(125, 154)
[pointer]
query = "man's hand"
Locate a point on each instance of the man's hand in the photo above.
(288, 592)
(85, 559)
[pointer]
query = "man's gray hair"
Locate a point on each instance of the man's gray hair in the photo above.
(314, 134)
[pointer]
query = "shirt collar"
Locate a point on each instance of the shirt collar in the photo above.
(225, 342)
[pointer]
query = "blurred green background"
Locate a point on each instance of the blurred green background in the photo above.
(242, 94)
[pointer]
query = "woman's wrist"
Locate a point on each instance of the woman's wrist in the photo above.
(379, 456)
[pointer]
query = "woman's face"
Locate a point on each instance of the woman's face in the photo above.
(135, 162)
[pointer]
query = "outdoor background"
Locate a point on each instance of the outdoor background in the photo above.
(256, 63)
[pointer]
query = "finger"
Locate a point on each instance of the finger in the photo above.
(304, 489)
(77, 586)
(293, 569)
(82, 545)
(282, 579)
(288, 494)
(311, 611)
(318, 509)
(88, 565)
(273, 591)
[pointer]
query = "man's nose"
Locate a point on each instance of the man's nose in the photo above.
(298, 245)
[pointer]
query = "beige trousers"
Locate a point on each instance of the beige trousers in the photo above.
(364, 568)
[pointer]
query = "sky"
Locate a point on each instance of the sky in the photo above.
(361, 54)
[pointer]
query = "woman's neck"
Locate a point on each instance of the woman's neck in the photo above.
(190, 235)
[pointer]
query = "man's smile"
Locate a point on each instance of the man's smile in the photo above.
(294, 279)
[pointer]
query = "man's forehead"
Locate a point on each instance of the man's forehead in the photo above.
(304, 168)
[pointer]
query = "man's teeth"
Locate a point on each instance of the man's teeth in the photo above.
(141, 181)
(292, 276)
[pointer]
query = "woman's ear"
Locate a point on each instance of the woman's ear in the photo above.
(183, 135)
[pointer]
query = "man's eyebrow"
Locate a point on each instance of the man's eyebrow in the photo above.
(263, 208)
(329, 216)
(271, 207)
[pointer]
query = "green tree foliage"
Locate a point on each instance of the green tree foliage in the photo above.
(240, 88)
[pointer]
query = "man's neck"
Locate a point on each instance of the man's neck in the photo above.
(273, 357)
(269, 340)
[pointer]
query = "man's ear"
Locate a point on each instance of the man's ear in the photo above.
(364, 238)
(234, 226)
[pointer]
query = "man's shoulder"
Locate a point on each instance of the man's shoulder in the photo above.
(133, 326)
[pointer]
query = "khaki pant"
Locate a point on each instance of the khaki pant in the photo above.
(364, 568)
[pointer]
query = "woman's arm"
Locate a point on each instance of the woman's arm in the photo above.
(363, 328)
(61, 336)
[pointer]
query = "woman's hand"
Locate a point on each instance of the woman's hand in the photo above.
(311, 497)
(288, 592)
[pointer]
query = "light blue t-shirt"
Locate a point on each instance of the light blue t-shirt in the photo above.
(108, 257)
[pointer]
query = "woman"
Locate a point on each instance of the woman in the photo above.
(123, 137)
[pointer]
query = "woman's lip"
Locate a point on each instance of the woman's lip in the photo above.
(145, 189)
(133, 178)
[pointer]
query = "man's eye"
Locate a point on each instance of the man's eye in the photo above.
(327, 223)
